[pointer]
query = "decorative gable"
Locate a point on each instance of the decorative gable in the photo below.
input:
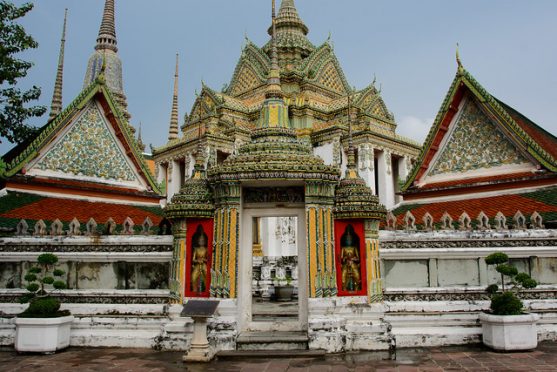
(88, 149)
(245, 81)
(329, 78)
(474, 143)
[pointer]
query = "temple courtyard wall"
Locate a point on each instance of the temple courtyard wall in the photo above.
(433, 291)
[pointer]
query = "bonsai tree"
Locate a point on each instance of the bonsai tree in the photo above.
(507, 302)
(41, 283)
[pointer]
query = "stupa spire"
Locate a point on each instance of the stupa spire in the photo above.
(107, 31)
(290, 34)
(173, 131)
(106, 49)
(351, 165)
(273, 80)
(56, 105)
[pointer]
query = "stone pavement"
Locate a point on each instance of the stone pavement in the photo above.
(462, 358)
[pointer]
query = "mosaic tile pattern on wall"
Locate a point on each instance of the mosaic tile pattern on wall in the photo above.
(89, 149)
(475, 144)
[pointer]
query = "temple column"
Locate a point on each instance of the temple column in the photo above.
(320, 240)
(386, 184)
(178, 263)
(404, 165)
(373, 263)
(366, 162)
(224, 276)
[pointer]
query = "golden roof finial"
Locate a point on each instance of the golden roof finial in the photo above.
(458, 61)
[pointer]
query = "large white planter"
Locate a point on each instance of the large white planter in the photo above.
(43, 335)
(510, 332)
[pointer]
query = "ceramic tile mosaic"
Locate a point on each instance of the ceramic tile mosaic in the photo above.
(89, 149)
(475, 144)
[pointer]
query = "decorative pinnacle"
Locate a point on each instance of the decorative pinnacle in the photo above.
(56, 105)
(273, 80)
(458, 61)
(107, 31)
(173, 131)
(351, 157)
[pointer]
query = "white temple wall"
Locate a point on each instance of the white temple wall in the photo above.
(448, 259)
(325, 152)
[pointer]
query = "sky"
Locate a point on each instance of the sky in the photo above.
(409, 46)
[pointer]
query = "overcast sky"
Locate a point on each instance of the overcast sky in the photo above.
(508, 45)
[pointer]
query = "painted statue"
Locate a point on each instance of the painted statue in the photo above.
(350, 260)
(199, 257)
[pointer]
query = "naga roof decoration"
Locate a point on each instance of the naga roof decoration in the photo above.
(19, 157)
(527, 138)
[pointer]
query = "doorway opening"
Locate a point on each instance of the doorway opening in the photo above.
(275, 289)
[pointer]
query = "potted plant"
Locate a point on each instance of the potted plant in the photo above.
(283, 292)
(507, 327)
(43, 327)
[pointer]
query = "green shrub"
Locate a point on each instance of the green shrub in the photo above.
(507, 302)
(39, 278)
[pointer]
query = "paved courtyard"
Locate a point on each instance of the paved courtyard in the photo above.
(469, 358)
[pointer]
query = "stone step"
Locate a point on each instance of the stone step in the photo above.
(275, 340)
(271, 354)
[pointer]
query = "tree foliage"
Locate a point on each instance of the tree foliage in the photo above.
(14, 110)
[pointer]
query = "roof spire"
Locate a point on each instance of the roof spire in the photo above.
(56, 105)
(273, 80)
(290, 34)
(106, 52)
(107, 31)
(351, 157)
(173, 132)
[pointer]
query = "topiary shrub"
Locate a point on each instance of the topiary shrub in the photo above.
(507, 302)
(42, 279)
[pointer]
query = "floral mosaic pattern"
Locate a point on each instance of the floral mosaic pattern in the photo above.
(89, 149)
(475, 144)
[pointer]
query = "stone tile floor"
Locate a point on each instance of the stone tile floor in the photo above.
(462, 358)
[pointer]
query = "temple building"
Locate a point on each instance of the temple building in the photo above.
(279, 198)
(316, 94)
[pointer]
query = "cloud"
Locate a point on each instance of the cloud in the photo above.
(414, 127)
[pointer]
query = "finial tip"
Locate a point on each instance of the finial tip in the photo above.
(458, 61)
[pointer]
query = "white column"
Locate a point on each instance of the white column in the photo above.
(386, 186)
(173, 179)
(366, 163)
(403, 167)
(187, 170)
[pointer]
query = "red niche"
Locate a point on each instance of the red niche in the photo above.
(350, 258)
(199, 252)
